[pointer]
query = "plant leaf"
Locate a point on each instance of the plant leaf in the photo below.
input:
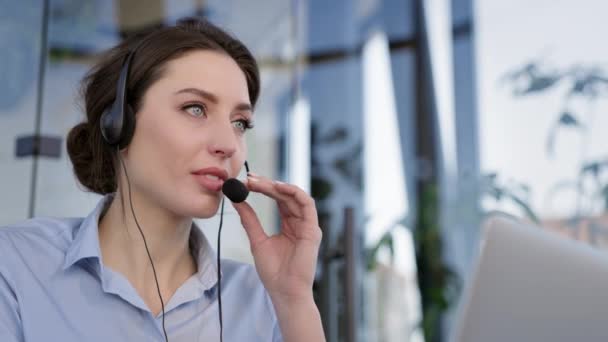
(336, 135)
(568, 119)
(320, 188)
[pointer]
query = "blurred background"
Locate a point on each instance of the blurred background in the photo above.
(407, 120)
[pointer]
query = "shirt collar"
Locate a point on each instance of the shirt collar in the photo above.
(205, 256)
(86, 245)
(86, 238)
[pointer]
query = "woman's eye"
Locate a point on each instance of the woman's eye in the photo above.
(242, 125)
(195, 110)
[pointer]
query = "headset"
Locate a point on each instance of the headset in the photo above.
(117, 124)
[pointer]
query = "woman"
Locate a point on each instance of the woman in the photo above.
(137, 268)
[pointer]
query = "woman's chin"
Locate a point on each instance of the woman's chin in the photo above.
(205, 207)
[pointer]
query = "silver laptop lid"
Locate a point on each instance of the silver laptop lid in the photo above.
(533, 285)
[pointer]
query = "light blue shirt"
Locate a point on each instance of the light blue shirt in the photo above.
(55, 287)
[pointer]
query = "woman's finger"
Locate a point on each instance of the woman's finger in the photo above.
(285, 213)
(304, 201)
(268, 187)
(251, 223)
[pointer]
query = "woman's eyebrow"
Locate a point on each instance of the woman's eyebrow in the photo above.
(212, 98)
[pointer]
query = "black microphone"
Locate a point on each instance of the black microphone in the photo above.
(235, 190)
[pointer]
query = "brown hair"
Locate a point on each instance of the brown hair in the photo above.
(93, 160)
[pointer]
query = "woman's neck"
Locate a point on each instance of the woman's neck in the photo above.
(167, 239)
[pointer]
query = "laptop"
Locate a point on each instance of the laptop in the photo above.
(534, 285)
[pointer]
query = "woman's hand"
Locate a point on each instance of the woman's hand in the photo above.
(285, 262)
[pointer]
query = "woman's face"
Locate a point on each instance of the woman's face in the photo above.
(190, 131)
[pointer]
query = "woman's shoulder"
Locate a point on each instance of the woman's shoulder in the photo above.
(41, 227)
(242, 280)
(37, 235)
(248, 300)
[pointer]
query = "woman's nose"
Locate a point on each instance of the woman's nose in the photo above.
(223, 142)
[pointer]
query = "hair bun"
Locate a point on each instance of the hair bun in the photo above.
(85, 160)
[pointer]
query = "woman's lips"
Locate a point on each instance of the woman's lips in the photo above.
(209, 182)
(211, 178)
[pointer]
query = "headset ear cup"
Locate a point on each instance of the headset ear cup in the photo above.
(105, 127)
(128, 128)
(110, 129)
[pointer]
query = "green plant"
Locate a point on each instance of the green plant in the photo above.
(582, 83)
(439, 285)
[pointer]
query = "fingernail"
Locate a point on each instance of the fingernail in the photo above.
(278, 182)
